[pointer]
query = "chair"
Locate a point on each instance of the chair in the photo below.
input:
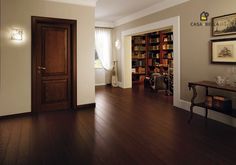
(157, 82)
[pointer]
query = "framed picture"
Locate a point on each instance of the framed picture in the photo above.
(224, 25)
(223, 51)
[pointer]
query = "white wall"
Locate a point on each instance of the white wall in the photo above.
(15, 67)
(102, 77)
(194, 50)
(127, 61)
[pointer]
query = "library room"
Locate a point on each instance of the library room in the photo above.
(152, 61)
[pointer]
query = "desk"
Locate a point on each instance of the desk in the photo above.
(207, 85)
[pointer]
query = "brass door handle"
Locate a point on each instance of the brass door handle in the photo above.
(41, 68)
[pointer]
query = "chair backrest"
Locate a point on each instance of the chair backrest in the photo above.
(160, 82)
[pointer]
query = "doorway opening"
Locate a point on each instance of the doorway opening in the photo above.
(126, 64)
(152, 60)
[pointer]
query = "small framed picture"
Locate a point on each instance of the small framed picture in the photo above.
(224, 25)
(223, 51)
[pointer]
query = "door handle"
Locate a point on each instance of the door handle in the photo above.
(41, 68)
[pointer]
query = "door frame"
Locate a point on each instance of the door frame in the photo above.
(126, 71)
(73, 25)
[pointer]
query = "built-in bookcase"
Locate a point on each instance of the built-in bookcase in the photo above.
(152, 51)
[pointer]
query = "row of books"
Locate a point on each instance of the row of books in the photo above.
(139, 70)
(154, 40)
(139, 41)
(168, 38)
(139, 55)
(138, 63)
(162, 63)
(153, 62)
(168, 55)
(165, 62)
(139, 48)
(156, 47)
(167, 46)
(154, 55)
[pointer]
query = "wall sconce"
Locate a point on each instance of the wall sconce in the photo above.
(117, 44)
(16, 34)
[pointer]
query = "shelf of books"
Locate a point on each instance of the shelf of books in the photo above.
(139, 53)
(152, 51)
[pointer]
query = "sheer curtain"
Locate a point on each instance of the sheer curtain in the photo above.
(103, 45)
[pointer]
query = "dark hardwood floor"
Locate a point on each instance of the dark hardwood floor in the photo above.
(132, 126)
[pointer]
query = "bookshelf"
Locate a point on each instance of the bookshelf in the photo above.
(153, 58)
(152, 51)
(139, 56)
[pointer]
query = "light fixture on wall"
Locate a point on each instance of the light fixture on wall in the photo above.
(17, 34)
(117, 44)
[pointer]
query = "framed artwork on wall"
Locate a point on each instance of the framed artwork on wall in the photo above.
(223, 51)
(224, 25)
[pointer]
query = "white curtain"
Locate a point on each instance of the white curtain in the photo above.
(103, 45)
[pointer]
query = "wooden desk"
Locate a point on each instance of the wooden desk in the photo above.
(207, 85)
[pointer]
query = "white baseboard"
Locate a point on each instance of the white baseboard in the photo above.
(226, 119)
(102, 84)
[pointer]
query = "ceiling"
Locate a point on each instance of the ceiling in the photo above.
(112, 10)
(117, 12)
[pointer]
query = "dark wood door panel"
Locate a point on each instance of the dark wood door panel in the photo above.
(54, 107)
(55, 50)
(54, 91)
(54, 69)
(54, 80)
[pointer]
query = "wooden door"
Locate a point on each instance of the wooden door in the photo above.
(53, 64)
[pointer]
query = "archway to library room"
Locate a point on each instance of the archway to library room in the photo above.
(150, 58)
(152, 61)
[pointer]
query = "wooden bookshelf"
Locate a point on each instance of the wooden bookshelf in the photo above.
(152, 51)
(139, 58)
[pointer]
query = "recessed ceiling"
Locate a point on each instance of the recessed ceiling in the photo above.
(112, 10)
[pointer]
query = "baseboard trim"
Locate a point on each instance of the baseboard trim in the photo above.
(86, 106)
(102, 84)
(220, 117)
(26, 114)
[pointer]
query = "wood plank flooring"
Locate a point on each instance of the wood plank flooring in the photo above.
(132, 126)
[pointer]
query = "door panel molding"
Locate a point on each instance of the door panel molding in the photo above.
(72, 26)
(47, 30)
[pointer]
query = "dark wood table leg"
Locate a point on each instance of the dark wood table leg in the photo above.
(193, 87)
(206, 115)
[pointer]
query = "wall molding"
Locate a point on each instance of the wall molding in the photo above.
(85, 106)
(91, 3)
(220, 117)
(26, 114)
(104, 24)
(150, 10)
(102, 84)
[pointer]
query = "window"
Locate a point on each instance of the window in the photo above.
(97, 62)
(103, 45)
